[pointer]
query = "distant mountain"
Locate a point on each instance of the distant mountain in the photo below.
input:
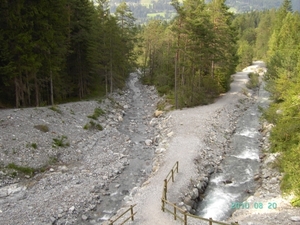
(144, 10)
(250, 5)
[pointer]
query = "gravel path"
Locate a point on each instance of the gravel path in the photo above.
(191, 127)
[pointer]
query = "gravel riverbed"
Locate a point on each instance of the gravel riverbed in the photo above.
(81, 171)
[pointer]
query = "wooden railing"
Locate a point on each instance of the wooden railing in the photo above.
(178, 212)
(132, 213)
(168, 178)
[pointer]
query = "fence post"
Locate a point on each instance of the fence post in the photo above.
(210, 221)
(172, 175)
(175, 217)
(132, 215)
(185, 218)
(165, 189)
(177, 166)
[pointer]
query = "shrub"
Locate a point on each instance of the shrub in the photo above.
(97, 112)
(253, 81)
(32, 145)
(24, 170)
(60, 142)
(92, 125)
(42, 127)
(55, 109)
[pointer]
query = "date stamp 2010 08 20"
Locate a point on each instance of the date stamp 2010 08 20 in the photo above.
(255, 205)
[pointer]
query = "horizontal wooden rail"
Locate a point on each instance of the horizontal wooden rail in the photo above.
(132, 214)
(187, 214)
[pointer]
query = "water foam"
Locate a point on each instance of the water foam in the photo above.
(248, 154)
(248, 133)
(217, 203)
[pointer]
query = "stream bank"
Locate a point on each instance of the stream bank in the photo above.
(85, 173)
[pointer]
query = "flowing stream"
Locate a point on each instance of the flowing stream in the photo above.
(236, 181)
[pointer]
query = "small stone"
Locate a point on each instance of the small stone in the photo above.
(51, 170)
(84, 217)
(71, 209)
(158, 113)
(52, 219)
(273, 180)
(148, 142)
(117, 185)
(295, 218)
(170, 134)
(195, 193)
(256, 177)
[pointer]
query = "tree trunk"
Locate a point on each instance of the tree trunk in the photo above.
(17, 92)
(37, 101)
(51, 88)
(28, 90)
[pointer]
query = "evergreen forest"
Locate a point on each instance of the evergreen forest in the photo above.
(56, 51)
(60, 51)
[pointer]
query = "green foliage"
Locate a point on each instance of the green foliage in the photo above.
(42, 127)
(97, 112)
(283, 84)
(60, 141)
(202, 39)
(245, 53)
(92, 125)
(253, 81)
(21, 169)
(55, 108)
(32, 145)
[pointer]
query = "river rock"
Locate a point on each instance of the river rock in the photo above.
(295, 218)
(84, 217)
(189, 201)
(158, 113)
(148, 142)
(71, 209)
(195, 193)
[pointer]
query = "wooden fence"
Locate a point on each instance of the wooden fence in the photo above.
(168, 178)
(132, 213)
(178, 212)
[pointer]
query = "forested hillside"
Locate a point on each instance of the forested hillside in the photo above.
(145, 10)
(240, 6)
(190, 59)
(274, 36)
(53, 51)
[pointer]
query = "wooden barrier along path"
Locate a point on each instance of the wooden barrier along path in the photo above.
(132, 213)
(178, 212)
